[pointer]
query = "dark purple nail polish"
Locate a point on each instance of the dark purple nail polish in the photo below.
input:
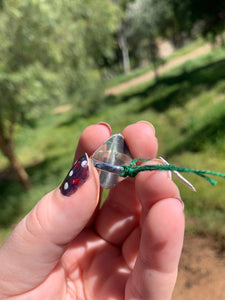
(77, 175)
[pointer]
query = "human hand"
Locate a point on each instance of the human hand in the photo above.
(69, 248)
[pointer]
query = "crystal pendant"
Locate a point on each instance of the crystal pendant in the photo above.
(109, 158)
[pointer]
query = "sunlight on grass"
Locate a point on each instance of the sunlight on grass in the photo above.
(187, 108)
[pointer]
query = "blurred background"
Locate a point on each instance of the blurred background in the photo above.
(67, 64)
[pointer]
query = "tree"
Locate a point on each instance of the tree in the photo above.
(174, 20)
(26, 86)
(51, 51)
(122, 34)
(197, 17)
(23, 97)
(147, 18)
(210, 16)
(122, 42)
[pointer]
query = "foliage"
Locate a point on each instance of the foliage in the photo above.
(55, 51)
(174, 20)
(25, 94)
(64, 39)
(149, 15)
(147, 20)
(208, 16)
(50, 52)
(185, 106)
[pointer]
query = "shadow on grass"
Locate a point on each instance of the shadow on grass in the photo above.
(175, 90)
(10, 204)
(70, 120)
(210, 133)
(13, 196)
(43, 170)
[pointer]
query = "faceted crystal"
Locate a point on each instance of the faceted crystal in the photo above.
(115, 152)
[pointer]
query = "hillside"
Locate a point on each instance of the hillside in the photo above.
(187, 107)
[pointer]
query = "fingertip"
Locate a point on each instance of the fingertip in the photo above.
(141, 139)
(106, 125)
(92, 138)
(148, 124)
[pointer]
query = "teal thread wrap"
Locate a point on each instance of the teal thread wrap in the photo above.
(132, 170)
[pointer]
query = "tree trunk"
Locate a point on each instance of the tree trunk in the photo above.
(155, 69)
(122, 41)
(6, 145)
(222, 40)
(154, 56)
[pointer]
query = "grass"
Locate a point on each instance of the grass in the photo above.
(187, 108)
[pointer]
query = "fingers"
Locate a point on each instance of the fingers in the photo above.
(141, 140)
(40, 239)
(121, 211)
(92, 138)
(155, 270)
(154, 186)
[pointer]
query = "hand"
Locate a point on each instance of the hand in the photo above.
(69, 248)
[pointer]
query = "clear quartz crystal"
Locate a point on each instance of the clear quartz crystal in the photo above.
(114, 152)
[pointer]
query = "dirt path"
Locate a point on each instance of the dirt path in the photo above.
(202, 271)
(150, 75)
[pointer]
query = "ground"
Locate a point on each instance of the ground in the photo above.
(201, 272)
(150, 75)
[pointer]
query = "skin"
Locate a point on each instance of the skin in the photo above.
(68, 248)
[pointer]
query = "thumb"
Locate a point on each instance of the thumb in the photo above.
(40, 239)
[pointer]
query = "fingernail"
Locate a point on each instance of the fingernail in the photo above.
(181, 202)
(160, 162)
(148, 123)
(77, 175)
(106, 125)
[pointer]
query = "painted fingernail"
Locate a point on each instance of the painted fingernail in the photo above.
(106, 125)
(77, 175)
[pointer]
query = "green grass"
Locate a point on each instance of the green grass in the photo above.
(187, 108)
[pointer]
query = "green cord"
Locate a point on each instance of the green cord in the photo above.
(133, 170)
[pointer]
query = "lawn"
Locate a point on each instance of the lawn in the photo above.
(187, 108)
